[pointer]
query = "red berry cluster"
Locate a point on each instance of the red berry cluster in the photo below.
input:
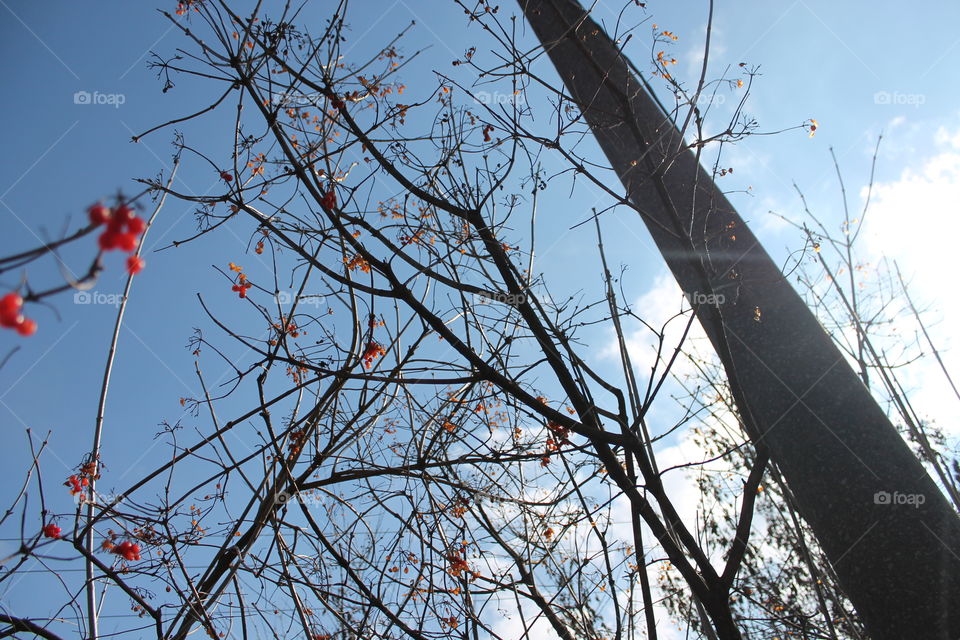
(127, 550)
(51, 531)
(184, 6)
(11, 317)
(561, 432)
(372, 352)
(76, 484)
(123, 231)
(242, 286)
(329, 200)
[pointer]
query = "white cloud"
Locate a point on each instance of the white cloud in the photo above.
(694, 52)
(944, 137)
(896, 122)
(915, 220)
(659, 307)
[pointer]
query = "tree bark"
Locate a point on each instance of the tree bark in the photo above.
(891, 536)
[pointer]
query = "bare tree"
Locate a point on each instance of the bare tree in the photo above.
(787, 585)
(797, 397)
(418, 439)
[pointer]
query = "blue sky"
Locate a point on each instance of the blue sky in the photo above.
(858, 69)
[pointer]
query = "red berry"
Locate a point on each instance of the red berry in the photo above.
(27, 327)
(128, 550)
(75, 484)
(135, 265)
(11, 322)
(108, 239)
(329, 200)
(10, 304)
(227, 177)
(51, 531)
(99, 214)
(136, 225)
(127, 241)
(124, 213)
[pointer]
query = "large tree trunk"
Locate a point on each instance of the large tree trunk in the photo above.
(843, 460)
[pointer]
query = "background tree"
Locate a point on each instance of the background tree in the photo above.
(802, 406)
(789, 587)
